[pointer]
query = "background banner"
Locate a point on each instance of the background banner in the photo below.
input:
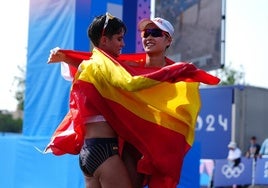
(226, 175)
(261, 174)
(213, 128)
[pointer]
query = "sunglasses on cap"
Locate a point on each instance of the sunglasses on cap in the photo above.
(153, 32)
(108, 17)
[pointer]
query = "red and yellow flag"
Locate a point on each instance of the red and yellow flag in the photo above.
(154, 109)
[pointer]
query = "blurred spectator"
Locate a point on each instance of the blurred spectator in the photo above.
(253, 148)
(264, 149)
(234, 154)
(234, 157)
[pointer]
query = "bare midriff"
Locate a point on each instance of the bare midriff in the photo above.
(99, 130)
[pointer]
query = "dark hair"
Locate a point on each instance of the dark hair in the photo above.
(95, 29)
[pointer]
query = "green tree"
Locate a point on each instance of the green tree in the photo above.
(20, 90)
(231, 76)
(12, 121)
(9, 124)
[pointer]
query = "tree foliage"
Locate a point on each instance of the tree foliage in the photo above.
(230, 76)
(9, 124)
(12, 121)
(20, 90)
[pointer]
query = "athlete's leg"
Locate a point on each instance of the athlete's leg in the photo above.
(112, 173)
(99, 158)
(130, 157)
(92, 182)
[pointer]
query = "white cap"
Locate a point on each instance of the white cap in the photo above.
(159, 22)
(232, 145)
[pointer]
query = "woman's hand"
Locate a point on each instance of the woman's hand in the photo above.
(56, 56)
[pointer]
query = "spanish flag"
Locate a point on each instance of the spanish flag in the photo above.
(154, 109)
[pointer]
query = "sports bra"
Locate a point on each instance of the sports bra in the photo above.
(94, 119)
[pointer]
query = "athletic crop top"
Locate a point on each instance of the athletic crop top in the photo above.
(94, 119)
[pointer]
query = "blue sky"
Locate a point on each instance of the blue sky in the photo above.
(246, 43)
